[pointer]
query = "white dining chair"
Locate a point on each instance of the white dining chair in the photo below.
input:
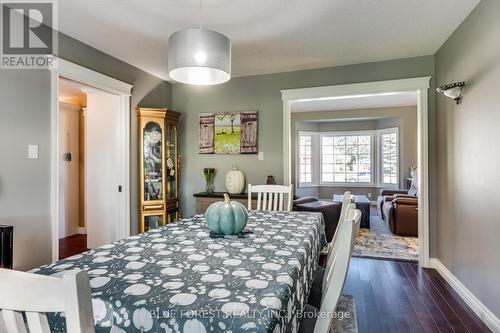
(346, 201)
(271, 197)
(336, 274)
(353, 215)
(320, 282)
(35, 295)
(347, 221)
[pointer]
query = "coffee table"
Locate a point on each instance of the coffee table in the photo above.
(362, 203)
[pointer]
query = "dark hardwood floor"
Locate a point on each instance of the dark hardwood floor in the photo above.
(395, 296)
(72, 245)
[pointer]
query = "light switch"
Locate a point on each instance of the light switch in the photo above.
(261, 155)
(32, 152)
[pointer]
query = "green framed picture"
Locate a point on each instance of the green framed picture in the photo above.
(228, 133)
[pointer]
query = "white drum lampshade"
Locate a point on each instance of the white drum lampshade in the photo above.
(199, 57)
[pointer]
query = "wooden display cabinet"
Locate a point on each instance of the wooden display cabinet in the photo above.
(173, 165)
(158, 167)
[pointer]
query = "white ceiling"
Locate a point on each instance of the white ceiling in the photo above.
(268, 36)
(357, 102)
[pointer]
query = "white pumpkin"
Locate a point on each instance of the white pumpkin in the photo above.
(235, 181)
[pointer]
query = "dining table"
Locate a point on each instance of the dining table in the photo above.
(182, 278)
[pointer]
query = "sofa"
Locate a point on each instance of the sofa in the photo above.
(330, 211)
(399, 209)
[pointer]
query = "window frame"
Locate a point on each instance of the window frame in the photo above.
(375, 151)
(380, 176)
(347, 184)
(314, 160)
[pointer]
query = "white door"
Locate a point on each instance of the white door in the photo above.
(102, 178)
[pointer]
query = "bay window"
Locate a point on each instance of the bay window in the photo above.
(346, 158)
(356, 158)
(389, 157)
(305, 158)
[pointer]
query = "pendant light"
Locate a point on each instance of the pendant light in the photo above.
(199, 56)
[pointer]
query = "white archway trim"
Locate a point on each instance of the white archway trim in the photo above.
(91, 78)
(421, 85)
(100, 81)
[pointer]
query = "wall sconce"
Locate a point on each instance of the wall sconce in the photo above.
(452, 90)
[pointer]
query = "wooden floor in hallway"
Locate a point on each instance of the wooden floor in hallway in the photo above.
(69, 246)
(396, 296)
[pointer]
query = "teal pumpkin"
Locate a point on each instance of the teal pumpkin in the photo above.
(226, 217)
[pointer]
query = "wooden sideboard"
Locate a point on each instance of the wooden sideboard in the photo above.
(204, 199)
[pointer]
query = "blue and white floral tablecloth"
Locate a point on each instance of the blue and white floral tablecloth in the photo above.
(179, 278)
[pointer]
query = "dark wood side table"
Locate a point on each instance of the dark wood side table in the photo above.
(204, 199)
(362, 203)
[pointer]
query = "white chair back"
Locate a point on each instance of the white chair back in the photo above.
(352, 215)
(271, 197)
(335, 244)
(337, 273)
(35, 295)
(346, 201)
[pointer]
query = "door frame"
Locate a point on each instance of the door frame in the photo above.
(69, 70)
(420, 85)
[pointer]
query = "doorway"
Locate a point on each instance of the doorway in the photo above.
(367, 146)
(90, 159)
(87, 167)
(418, 85)
(72, 106)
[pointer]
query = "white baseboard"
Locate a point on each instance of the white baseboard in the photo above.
(82, 230)
(472, 301)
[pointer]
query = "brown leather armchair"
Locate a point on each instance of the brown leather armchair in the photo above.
(399, 208)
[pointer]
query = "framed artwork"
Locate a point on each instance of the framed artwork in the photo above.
(228, 132)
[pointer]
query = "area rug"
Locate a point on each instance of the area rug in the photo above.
(379, 242)
(346, 316)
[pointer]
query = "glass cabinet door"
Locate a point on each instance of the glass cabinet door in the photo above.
(153, 166)
(172, 215)
(171, 155)
(153, 221)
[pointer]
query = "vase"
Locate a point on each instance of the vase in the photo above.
(209, 186)
(235, 181)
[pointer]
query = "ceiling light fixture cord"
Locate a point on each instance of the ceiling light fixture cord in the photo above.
(200, 14)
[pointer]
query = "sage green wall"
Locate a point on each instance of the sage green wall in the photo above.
(25, 119)
(468, 152)
(404, 118)
(262, 93)
(25, 184)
